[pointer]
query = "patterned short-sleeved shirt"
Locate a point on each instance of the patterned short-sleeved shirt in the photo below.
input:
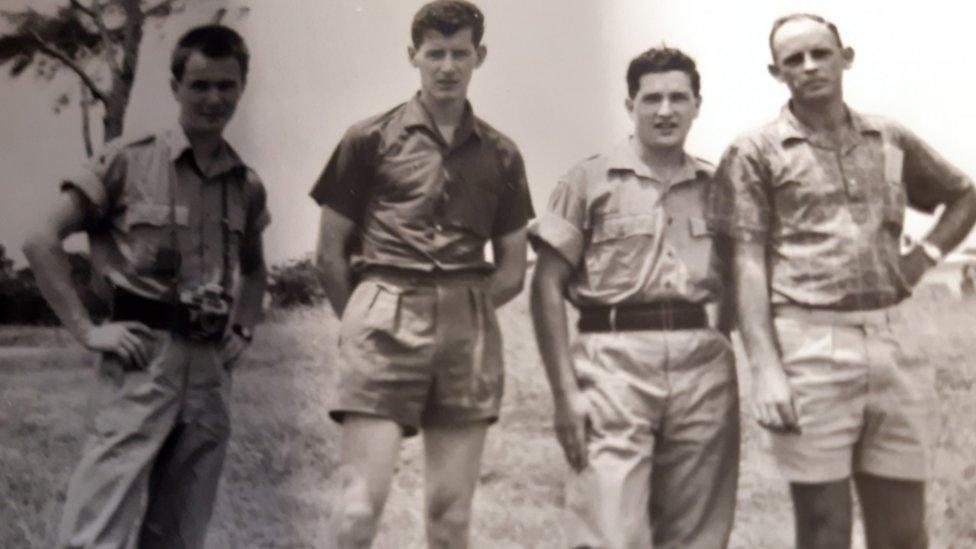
(421, 203)
(631, 236)
(136, 192)
(831, 219)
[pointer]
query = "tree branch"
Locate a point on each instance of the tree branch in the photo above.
(68, 62)
(95, 14)
(162, 8)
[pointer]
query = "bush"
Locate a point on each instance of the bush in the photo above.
(295, 283)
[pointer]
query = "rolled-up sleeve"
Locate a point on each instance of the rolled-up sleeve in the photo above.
(99, 182)
(258, 216)
(561, 226)
(739, 202)
(930, 180)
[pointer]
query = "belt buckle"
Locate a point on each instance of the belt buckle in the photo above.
(667, 318)
(613, 318)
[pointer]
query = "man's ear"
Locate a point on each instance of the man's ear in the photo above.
(174, 84)
(629, 105)
(848, 55)
(411, 54)
(773, 69)
(481, 51)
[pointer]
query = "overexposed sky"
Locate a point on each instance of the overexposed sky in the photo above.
(553, 81)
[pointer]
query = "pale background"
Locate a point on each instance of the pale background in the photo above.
(553, 81)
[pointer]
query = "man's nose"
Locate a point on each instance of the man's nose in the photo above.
(448, 64)
(212, 95)
(665, 108)
(809, 63)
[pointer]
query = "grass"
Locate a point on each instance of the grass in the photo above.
(277, 487)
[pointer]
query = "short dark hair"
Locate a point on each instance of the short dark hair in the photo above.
(447, 17)
(663, 59)
(214, 41)
(797, 17)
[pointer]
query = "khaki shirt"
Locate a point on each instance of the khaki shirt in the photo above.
(831, 219)
(130, 190)
(419, 202)
(631, 236)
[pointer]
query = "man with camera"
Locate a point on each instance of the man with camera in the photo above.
(174, 222)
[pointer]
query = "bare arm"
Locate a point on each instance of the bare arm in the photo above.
(331, 258)
(49, 262)
(254, 282)
(510, 264)
(951, 228)
(772, 401)
(548, 306)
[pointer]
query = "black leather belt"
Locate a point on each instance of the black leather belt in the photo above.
(658, 315)
(155, 314)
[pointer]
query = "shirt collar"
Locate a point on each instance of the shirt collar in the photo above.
(177, 144)
(415, 115)
(624, 158)
(789, 126)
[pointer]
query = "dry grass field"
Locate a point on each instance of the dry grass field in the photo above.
(277, 485)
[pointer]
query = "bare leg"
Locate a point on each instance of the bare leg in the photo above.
(370, 447)
(894, 512)
(453, 459)
(823, 514)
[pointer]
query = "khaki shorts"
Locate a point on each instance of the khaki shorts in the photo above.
(421, 350)
(863, 402)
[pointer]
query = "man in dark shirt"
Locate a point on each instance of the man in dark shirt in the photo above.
(815, 202)
(409, 200)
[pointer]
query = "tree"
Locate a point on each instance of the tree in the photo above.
(98, 41)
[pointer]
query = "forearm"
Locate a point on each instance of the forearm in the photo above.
(504, 285)
(251, 298)
(335, 276)
(752, 305)
(52, 271)
(552, 334)
(955, 222)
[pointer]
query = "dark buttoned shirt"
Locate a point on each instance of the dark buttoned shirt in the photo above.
(419, 202)
(148, 195)
(831, 218)
(631, 235)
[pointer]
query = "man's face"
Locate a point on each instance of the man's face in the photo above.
(663, 109)
(446, 64)
(809, 61)
(208, 92)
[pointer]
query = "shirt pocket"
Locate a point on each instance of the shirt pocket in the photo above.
(620, 245)
(470, 205)
(698, 254)
(149, 230)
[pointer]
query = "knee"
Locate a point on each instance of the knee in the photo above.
(356, 516)
(355, 524)
(448, 518)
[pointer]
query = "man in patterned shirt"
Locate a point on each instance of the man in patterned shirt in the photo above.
(409, 199)
(646, 402)
(815, 202)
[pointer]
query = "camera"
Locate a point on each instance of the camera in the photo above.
(208, 309)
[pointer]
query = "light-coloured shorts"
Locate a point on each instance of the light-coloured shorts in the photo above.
(420, 350)
(663, 447)
(863, 402)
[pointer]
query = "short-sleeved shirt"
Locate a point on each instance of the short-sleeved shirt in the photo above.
(831, 218)
(631, 236)
(136, 192)
(419, 202)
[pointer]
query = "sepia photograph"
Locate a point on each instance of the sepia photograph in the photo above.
(542, 274)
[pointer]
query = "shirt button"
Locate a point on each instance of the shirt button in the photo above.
(670, 221)
(667, 284)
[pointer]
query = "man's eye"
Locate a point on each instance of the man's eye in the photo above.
(199, 86)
